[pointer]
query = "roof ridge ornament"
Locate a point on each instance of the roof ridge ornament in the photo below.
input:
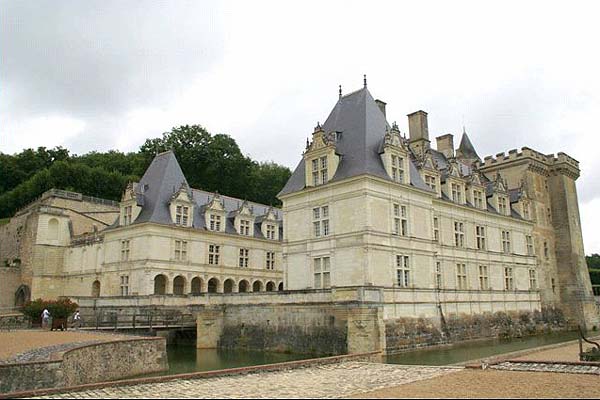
(340, 92)
(365, 80)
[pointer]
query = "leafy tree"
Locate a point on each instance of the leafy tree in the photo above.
(593, 263)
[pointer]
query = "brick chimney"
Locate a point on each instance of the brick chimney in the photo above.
(381, 105)
(417, 126)
(445, 145)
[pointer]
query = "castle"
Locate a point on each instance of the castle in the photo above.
(433, 230)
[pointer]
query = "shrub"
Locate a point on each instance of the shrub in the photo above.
(62, 308)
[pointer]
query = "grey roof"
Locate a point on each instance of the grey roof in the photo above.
(466, 150)
(362, 126)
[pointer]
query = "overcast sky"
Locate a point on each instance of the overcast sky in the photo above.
(100, 75)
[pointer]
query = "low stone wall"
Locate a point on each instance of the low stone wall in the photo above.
(14, 321)
(408, 333)
(88, 364)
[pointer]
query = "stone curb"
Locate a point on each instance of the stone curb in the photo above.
(194, 375)
(579, 363)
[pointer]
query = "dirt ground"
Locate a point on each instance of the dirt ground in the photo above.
(494, 384)
(19, 341)
(565, 353)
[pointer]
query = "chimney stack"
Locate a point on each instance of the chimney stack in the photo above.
(381, 105)
(417, 126)
(445, 145)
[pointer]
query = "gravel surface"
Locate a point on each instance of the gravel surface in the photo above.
(568, 352)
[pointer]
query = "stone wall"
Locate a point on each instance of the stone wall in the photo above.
(88, 364)
(14, 321)
(10, 279)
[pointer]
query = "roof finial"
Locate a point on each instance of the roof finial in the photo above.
(340, 91)
(365, 80)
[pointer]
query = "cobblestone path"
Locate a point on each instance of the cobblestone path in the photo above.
(45, 353)
(325, 381)
(543, 367)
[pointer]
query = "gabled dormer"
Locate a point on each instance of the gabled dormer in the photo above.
(131, 204)
(181, 206)
(430, 173)
(454, 185)
(498, 195)
(476, 191)
(243, 220)
(321, 159)
(521, 202)
(269, 225)
(394, 155)
(215, 215)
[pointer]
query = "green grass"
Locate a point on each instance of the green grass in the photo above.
(4, 221)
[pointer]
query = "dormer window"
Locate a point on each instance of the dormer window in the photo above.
(456, 193)
(182, 215)
(397, 168)
(244, 227)
(502, 205)
(478, 199)
(319, 171)
(270, 232)
(526, 211)
(127, 211)
(215, 222)
(431, 181)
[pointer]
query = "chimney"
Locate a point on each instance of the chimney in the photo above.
(381, 105)
(445, 145)
(417, 126)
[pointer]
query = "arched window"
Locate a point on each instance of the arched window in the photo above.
(243, 286)
(270, 286)
(96, 289)
(179, 285)
(196, 285)
(213, 285)
(160, 284)
(280, 287)
(22, 295)
(257, 286)
(228, 286)
(53, 229)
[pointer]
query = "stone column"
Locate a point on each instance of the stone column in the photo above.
(366, 330)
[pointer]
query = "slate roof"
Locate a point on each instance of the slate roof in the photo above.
(466, 150)
(362, 127)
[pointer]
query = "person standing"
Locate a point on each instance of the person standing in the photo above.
(76, 320)
(45, 318)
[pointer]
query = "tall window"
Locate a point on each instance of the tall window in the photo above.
(270, 260)
(526, 210)
(271, 232)
(244, 227)
(549, 216)
(319, 171)
(127, 215)
(321, 221)
(506, 241)
(508, 279)
(478, 198)
(397, 168)
(532, 279)
(546, 251)
(438, 275)
(502, 207)
(456, 192)
(431, 181)
(461, 276)
(215, 222)
(243, 262)
(459, 234)
(529, 241)
(402, 271)
(124, 285)
(436, 229)
(484, 282)
(213, 254)
(182, 215)
(400, 220)
(180, 250)
(124, 250)
(480, 235)
(322, 273)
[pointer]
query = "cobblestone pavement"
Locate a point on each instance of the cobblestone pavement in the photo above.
(324, 381)
(543, 367)
(45, 353)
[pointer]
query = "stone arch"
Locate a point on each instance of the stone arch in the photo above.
(53, 229)
(179, 285)
(213, 285)
(257, 286)
(280, 287)
(228, 286)
(160, 284)
(244, 286)
(196, 285)
(96, 288)
(270, 286)
(22, 295)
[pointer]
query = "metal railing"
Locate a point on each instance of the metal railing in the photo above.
(119, 320)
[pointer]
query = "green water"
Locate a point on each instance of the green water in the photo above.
(473, 350)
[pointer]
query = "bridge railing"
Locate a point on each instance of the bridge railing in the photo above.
(116, 320)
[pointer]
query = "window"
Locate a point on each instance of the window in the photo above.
(532, 280)
(456, 192)
(270, 260)
(397, 168)
(480, 235)
(321, 221)
(319, 171)
(213, 254)
(549, 216)
(508, 279)
(322, 273)
(182, 215)
(244, 258)
(459, 234)
(127, 215)
(438, 275)
(553, 286)
(461, 276)
(546, 251)
(400, 220)
(402, 271)
(215, 222)
(478, 198)
(124, 285)
(244, 227)
(526, 210)
(124, 250)
(436, 229)
(181, 250)
(529, 241)
(484, 283)
(271, 232)
(506, 241)
(502, 207)
(431, 181)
